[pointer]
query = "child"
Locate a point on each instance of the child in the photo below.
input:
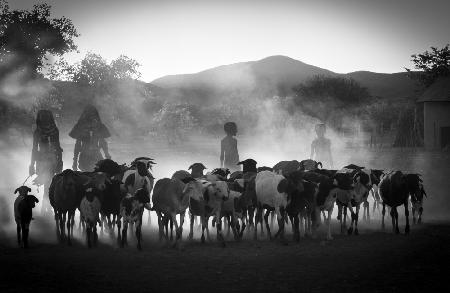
(229, 156)
(321, 147)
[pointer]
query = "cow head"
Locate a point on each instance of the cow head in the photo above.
(98, 180)
(195, 188)
(22, 190)
(221, 190)
(248, 165)
(292, 184)
(415, 186)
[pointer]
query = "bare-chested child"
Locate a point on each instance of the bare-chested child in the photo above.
(321, 147)
(229, 156)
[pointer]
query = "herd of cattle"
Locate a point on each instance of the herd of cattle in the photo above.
(116, 195)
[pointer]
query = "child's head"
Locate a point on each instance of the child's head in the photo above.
(230, 128)
(320, 129)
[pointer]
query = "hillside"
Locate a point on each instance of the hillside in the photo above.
(275, 75)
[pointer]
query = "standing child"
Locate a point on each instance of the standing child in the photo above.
(321, 147)
(229, 156)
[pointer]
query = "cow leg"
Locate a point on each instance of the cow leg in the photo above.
(119, 225)
(191, 227)
(160, 225)
(366, 206)
(124, 233)
(407, 217)
(19, 234)
(25, 230)
(295, 228)
(62, 223)
(219, 229)
(329, 237)
(255, 235)
(355, 220)
(69, 224)
(302, 228)
(171, 228)
(413, 211)
(139, 233)
(182, 216)
(383, 212)
(206, 220)
(266, 220)
(89, 235)
(394, 216)
(420, 215)
(149, 219)
(344, 220)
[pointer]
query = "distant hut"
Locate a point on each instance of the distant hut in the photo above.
(436, 100)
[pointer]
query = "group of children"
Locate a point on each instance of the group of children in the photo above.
(229, 155)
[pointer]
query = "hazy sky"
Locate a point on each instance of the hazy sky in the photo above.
(172, 37)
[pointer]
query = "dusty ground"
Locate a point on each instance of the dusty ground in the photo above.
(371, 262)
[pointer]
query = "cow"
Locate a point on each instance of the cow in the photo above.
(417, 192)
(23, 213)
(112, 195)
(90, 207)
(323, 199)
(394, 192)
(171, 198)
(131, 211)
(272, 194)
(138, 175)
(65, 194)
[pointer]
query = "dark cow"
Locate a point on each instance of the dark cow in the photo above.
(323, 199)
(23, 213)
(248, 165)
(394, 192)
(286, 167)
(197, 170)
(309, 165)
(131, 211)
(66, 192)
(355, 185)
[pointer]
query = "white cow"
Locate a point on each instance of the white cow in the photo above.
(270, 195)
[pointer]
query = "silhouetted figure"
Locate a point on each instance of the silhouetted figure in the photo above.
(46, 155)
(90, 134)
(321, 147)
(229, 156)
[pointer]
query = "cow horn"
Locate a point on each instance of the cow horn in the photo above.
(320, 163)
(17, 190)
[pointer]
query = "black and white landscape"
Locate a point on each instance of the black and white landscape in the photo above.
(156, 134)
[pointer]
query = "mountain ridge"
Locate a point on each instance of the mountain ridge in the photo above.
(274, 75)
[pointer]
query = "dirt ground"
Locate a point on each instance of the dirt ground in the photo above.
(374, 261)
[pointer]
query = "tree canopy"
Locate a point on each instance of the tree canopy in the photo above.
(27, 37)
(321, 96)
(431, 65)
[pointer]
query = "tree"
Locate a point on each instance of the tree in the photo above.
(27, 37)
(431, 65)
(93, 69)
(323, 96)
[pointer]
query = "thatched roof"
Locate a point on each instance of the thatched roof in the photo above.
(439, 91)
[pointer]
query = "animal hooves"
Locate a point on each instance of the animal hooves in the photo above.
(356, 232)
(350, 231)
